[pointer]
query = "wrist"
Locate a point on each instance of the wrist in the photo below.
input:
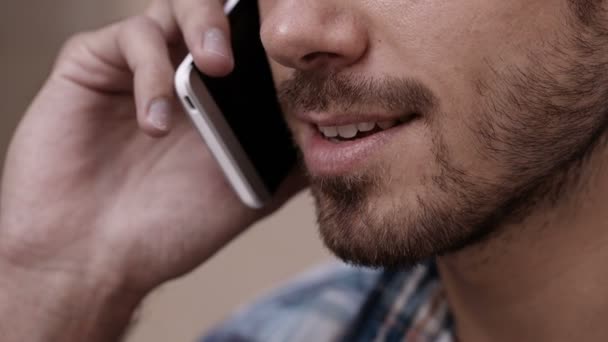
(65, 306)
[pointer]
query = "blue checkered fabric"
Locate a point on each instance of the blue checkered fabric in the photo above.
(344, 303)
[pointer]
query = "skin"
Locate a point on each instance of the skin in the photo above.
(113, 200)
(496, 166)
(473, 157)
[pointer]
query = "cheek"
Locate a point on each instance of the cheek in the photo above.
(265, 6)
(279, 73)
(455, 47)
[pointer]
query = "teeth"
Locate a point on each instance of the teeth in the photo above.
(330, 132)
(348, 131)
(366, 126)
(387, 124)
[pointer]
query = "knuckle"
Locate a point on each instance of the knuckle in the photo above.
(74, 43)
(73, 46)
(140, 23)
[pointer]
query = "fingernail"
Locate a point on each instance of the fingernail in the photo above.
(159, 114)
(216, 43)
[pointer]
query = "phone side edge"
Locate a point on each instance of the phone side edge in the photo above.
(210, 134)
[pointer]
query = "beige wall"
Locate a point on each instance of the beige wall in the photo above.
(30, 35)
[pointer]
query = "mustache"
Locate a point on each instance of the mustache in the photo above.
(315, 91)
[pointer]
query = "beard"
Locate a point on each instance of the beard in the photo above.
(537, 123)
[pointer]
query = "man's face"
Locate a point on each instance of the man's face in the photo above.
(426, 124)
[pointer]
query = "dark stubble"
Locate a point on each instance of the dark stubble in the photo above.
(535, 124)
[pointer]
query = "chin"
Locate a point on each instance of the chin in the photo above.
(366, 223)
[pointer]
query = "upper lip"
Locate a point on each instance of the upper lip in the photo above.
(329, 119)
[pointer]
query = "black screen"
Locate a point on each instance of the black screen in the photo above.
(247, 98)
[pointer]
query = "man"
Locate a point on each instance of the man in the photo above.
(486, 164)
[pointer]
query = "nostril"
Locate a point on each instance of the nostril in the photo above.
(319, 56)
(310, 57)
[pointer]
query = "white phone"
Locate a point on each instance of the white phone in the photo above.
(239, 116)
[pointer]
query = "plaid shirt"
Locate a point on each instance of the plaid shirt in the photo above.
(343, 303)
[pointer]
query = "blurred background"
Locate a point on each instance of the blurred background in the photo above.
(31, 32)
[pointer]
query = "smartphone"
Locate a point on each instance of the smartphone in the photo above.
(239, 116)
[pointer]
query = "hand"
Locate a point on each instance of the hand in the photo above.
(91, 189)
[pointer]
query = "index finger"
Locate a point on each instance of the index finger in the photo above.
(205, 30)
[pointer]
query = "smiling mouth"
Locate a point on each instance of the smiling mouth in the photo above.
(342, 144)
(355, 131)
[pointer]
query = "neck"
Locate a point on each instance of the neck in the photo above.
(543, 279)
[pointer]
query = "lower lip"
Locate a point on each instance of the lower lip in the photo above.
(327, 158)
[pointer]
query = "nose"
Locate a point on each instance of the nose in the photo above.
(314, 34)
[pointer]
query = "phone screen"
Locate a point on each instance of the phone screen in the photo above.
(247, 99)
